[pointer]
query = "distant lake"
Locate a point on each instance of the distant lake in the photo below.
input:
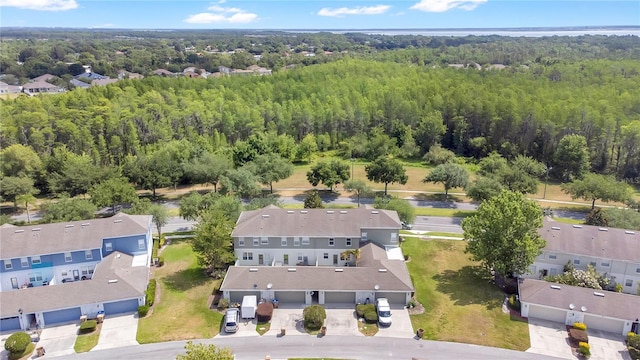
(541, 32)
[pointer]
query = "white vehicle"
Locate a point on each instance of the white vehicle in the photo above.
(406, 226)
(231, 320)
(249, 306)
(384, 311)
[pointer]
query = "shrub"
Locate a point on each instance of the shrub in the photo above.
(634, 347)
(314, 316)
(88, 326)
(630, 334)
(579, 326)
(361, 309)
(584, 351)
(161, 261)
(371, 316)
(143, 310)
(17, 343)
(151, 292)
(584, 344)
(514, 303)
(223, 304)
(264, 312)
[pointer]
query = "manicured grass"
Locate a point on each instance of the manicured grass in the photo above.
(181, 310)
(86, 342)
(422, 211)
(262, 328)
(461, 305)
(436, 233)
(25, 355)
(367, 329)
(568, 220)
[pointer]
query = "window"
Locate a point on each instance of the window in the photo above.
(141, 244)
(326, 255)
(394, 238)
(300, 257)
(628, 283)
(241, 242)
(64, 273)
(638, 270)
(87, 270)
(332, 242)
(256, 242)
(247, 256)
(67, 257)
(8, 265)
(264, 241)
(305, 241)
(363, 236)
(24, 262)
(283, 242)
(286, 259)
(348, 242)
(35, 260)
(33, 277)
(88, 255)
(576, 262)
(296, 242)
(108, 246)
(553, 256)
(604, 264)
(592, 263)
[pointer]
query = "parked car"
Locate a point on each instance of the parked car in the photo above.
(406, 226)
(231, 320)
(384, 311)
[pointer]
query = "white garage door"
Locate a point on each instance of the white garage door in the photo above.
(544, 313)
(604, 324)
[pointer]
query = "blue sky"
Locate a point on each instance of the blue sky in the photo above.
(302, 14)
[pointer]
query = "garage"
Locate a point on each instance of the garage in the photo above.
(61, 316)
(119, 307)
(546, 313)
(294, 297)
(394, 297)
(345, 297)
(236, 296)
(604, 324)
(7, 324)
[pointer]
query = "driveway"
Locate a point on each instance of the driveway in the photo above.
(341, 320)
(551, 338)
(400, 324)
(58, 340)
(118, 331)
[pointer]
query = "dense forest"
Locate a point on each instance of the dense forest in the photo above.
(388, 103)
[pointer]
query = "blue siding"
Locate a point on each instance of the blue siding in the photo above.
(8, 324)
(51, 260)
(15, 263)
(126, 244)
(60, 316)
(121, 306)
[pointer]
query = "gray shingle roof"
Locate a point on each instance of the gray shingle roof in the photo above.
(274, 221)
(612, 304)
(132, 282)
(16, 242)
(615, 244)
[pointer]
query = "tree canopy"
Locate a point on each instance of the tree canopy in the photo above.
(594, 187)
(386, 170)
(328, 172)
(450, 174)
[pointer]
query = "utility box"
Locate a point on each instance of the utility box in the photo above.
(249, 306)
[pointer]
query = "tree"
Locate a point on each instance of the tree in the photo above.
(596, 217)
(194, 205)
(503, 233)
(483, 188)
(270, 168)
(359, 187)
(571, 159)
(205, 352)
(212, 242)
(151, 171)
(450, 175)
(386, 170)
(67, 209)
(208, 168)
(307, 147)
(241, 182)
(19, 160)
(330, 173)
(26, 199)
(406, 211)
(112, 192)
(438, 155)
(429, 131)
(623, 218)
(11, 187)
(598, 187)
(313, 200)
(160, 216)
(77, 175)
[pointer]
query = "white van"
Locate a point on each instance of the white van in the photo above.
(384, 311)
(231, 320)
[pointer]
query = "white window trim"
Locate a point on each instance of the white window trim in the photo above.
(296, 242)
(576, 261)
(256, 241)
(264, 241)
(553, 256)
(36, 260)
(241, 242)
(348, 242)
(141, 244)
(24, 262)
(247, 255)
(628, 282)
(332, 242)
(325, 256)
(283, 242)
(88, 255)
(8, 265)
(306, 241)
(68, 258)
(605, 264)
(108, 246)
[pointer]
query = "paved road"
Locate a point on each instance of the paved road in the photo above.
(329, 346)
(438, 224)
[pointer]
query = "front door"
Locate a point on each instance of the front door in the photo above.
(260, 259)
(286, 259)
(76, 275)
(335, 259)
(14, 283)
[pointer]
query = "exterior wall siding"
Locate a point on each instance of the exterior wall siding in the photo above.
(126, 244)
(276, 242)
(382, 236)
(272, 256)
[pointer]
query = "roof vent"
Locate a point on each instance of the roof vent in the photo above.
(117, 220)
(330, 211)
(85, 224)
(36, 229)
(113, 281)
(69, 226)
(603, 229)
(290, 211)
(303, 211)
(291, 269)
(343, 211)
(556, 287)
(598, 294)
(338, 270)
(375, 211)
(19, 231)
(265, 216)
(382, 270)
(577, 226)
(555, 228)
(253, 269)
(118, 256)
(629, 232)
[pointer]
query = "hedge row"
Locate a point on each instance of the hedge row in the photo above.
(151, 292)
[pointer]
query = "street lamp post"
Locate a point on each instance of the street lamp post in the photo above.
(352, 161)
(546, 180)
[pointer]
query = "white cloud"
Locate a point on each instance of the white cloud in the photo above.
(360, 10)
(446, 5)
(220, 15)
(43, 5)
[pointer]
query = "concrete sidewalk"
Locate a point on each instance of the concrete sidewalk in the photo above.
(58, 340)
(118, 331)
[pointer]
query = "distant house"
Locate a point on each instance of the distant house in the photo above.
(496, 67)
(42, 78)
(79, 84)
(103, 82)
(41, 87)
(123, 74)
(6, 89)
(163, 72)
(224, 70)
(91, 76)
(601, 310)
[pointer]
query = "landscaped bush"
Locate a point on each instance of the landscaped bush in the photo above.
(579, 326)
(88, 326)
(584, 349)
(371, 316)
(17, 343)
(151, 292)
(514, 303)
(634, 347)
(630, 334)
(161, 261)
(143, 310)
(361, 309)
(264, 312)
(223, 304)
(314, 316)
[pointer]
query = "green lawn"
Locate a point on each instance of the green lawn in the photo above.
(421, 211)
(86, 342)
(461, 305)
(180, 311)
